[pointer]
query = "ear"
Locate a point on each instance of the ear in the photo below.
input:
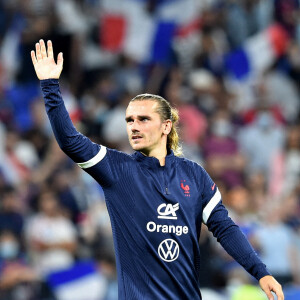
(167, 126)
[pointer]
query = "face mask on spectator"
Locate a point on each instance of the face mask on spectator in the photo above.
(8, 249)
(265, 120)
(221, 128)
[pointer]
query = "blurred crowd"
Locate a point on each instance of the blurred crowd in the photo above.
(245, 132)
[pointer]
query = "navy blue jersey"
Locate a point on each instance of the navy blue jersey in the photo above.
(156, 212)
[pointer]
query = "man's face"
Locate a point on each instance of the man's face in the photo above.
(146, 131)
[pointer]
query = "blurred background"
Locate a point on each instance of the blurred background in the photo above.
(230, 67)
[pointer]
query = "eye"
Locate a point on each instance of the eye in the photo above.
(145, 119)
(129, 121)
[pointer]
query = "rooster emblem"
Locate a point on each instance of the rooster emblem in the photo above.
(186, 188)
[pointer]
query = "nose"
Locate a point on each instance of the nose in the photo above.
(134, 126)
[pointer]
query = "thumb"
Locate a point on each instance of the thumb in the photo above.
(60, 59)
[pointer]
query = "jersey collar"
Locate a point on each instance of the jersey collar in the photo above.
(153, 161)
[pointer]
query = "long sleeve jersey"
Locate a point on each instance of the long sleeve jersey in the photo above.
(156, 212)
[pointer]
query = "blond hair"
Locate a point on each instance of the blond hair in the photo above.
(166, 112)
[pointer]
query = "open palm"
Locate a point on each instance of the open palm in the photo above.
(43, 61)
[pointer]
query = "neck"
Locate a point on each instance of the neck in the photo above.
(159, 154)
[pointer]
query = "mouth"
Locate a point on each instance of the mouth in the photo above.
(136, 137)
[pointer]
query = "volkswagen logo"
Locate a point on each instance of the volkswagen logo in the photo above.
(168, 250)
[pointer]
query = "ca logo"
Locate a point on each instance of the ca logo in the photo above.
(168, 211)
(168, 250)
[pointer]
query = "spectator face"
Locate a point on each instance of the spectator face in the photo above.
(239, 199)
(221, 126)
(146, 131)
(293, 138)
(10, 202)
(9, 247)
(265, 120)
(49, 205)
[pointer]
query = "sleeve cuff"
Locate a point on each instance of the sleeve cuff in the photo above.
(47, 82)
(262, 272)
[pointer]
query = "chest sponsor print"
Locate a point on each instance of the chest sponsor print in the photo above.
(168, 250)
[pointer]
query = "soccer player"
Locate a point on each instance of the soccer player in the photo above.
(156, 199)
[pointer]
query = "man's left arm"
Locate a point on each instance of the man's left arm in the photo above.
(229, 235)
(236, 244)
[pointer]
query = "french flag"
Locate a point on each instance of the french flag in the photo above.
(258, 53)
(80, 282)
(127, 26)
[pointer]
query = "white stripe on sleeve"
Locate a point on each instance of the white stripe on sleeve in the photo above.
(93, 161)
(211, 205)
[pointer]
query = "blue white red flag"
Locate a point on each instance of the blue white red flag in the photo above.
(128, 26)
(258, 53)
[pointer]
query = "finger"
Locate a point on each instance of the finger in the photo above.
(279, 295)
(269, 295)
(60, 59)
(50, 49)
(38, 52)
(33, 58)
(278, 291)
(43, 49)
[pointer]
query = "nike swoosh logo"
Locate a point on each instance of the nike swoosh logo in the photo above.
(212, 188)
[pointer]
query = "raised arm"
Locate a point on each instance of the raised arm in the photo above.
(73, 143)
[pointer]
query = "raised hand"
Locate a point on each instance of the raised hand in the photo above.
(43, 61)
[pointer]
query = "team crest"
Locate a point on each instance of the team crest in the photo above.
(186, 188)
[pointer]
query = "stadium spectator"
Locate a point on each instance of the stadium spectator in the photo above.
(11, 211)
(285, 166)
(276, 244)
(260, 140)
(51, 238)
(222, 153)
(18, 280)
